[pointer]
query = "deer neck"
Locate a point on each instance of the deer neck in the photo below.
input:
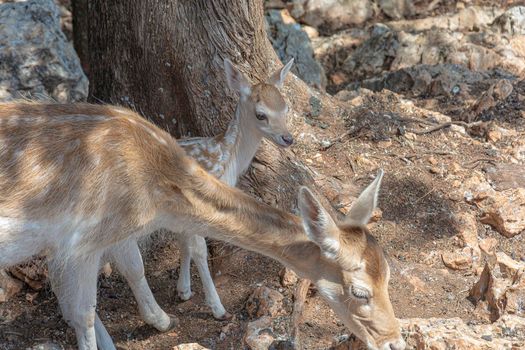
(227, 214)
(242, 139)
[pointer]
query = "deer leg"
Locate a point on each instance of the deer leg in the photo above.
(104, 341)
(184, 281)
(199, 253)
(74, 282)
(128, 261)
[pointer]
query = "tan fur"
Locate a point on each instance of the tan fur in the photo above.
(73, 164)
(269, 95)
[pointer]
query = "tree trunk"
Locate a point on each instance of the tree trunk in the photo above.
(165, 59)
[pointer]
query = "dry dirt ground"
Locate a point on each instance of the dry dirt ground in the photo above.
(419, 202)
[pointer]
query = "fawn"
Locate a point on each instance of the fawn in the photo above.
(260, 113)
(76, 180)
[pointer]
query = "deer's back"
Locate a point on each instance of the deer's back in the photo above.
(79, 168)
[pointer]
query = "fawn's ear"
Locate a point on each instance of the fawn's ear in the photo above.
(363, 207)
(236, 80)
(278, 77)
(318, 224)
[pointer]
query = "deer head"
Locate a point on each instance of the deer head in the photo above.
(262, 104)
(353, 269)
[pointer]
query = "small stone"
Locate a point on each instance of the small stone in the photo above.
(458, 129)
(432, 160)
(457, 260)
(494, 135)
(259, 335)
(435, 170)
(339, 78)
(30, 297)
(288, 277)
(265, 302)
(311, 32)
(411, 136)
(455, 168)
(486, 337)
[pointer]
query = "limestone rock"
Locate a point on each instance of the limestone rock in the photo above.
(516, 296)
(455, 334)
(509, 267)
(468, 232)
(396, 47)
(512, 21)
(36, 60)
(504, 210)
(265, 302)
(333, 14)
(458, 260)
(488, 245)
(501, 288)
(397, 8)
(291, 41)
(468, 19)
(506, 176)
(259, 335)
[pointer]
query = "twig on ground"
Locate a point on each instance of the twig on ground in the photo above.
(425, 195)
(443, 126)
(301, 291)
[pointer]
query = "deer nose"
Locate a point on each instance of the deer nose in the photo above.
(287, 139)
(398, 344)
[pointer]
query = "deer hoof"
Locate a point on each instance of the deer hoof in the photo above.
(185, 295)
(174, 322)
(227, 316)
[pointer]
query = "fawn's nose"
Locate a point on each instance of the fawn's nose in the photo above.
(287, 139)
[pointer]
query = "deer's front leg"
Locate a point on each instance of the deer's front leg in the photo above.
(128, 260)
(199, 254)
(74, 281)
(184, 281)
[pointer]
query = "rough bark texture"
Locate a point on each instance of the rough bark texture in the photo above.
(165, 59)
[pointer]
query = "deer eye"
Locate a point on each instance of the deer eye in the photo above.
(260, 116)
(359, 293)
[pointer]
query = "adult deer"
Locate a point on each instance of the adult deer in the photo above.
(77, 179)
(260, 113)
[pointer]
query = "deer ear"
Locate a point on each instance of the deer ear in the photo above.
(362, 209)
(236, 80)
(318, 224)
(277, 78)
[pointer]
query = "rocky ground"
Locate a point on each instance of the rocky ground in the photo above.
(434, 94)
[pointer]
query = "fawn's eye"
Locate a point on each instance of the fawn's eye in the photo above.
(261, 116)
(360, 293)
